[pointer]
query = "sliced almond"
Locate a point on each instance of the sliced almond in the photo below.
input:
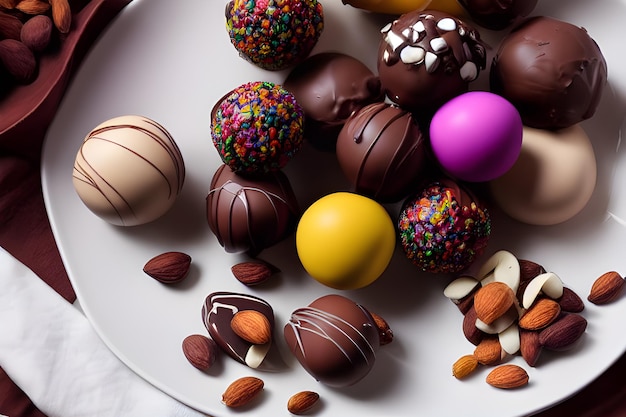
(547, 283)
(460, 287)
(500, 324)
(502, 266)
(509, 339)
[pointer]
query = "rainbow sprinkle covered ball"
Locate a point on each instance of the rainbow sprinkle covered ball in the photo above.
(443, 229)
(274, 34)
(257, 128)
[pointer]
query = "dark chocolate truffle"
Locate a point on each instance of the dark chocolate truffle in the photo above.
(428, 57)
(552, 71)
(330, 86)
(218, 310)
(497, 14)
(381, 150)
(444, 227)
(334, 339)
(250, 214)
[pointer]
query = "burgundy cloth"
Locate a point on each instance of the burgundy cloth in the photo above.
(25, 233)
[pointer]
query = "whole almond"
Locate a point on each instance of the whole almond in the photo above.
(570, 301)
(543, 312)
(493, 300)
(33, 7)
(252, 273)
(10, 26)
(241, 391)
(18, 60)
(384, 331)
(302, 402)
(252, 326)
(489, 351)
(168, 267)
(606, 288)
(472, 333)
(37, 32)
(200, 351)
(530, 348)
(464, 366)
(563, 332)
(61, 15)
(507, 377)
(8, 4)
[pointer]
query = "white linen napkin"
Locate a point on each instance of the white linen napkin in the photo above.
(49, 349)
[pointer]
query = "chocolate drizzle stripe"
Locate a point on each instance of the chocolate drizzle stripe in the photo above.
(168, 146)
(239, 193)
(312, 316)
(92, 181)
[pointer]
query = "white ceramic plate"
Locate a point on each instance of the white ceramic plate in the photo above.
(171, 61)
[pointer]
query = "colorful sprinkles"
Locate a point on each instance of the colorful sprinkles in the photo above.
(257, 128)
(274, 34)
(440, 235)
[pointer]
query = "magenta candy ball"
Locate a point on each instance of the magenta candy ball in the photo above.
(476, 136)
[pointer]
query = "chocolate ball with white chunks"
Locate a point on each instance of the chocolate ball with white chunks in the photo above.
(381, 150)
(552, 71)
(128, 170)
(425, 58)
(249, 214)
(334, 339)
(330, 87)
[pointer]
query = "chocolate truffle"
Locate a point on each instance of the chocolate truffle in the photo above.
(250, 214)
(128, 170)
(497, 14)
(330, 86)
(257, 127)
(218, 310)
(334, 339)
(443, 228)
(274, 34)
(552, 71)
(381, 150)
(426, 58)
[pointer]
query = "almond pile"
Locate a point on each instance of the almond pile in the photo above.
(27, 30)
(515, 307)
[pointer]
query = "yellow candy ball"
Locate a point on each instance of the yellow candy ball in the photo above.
(345, 240)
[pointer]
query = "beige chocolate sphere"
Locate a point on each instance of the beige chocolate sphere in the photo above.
(553, 178)
(128, 170)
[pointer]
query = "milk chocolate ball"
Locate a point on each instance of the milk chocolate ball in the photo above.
(552, 71)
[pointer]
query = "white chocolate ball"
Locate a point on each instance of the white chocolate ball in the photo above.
(553, 178)
(128, 170)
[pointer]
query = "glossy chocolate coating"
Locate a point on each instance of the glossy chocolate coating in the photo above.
(334, 339)
(330, 86)
(426, 58)
(218, 310)
(250, 214)
(497, 14)
(381, 150)
(552, 71)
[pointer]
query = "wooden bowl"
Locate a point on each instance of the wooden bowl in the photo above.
(27, 110)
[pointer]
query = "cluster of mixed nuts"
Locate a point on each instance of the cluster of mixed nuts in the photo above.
(515, 306)
(27, 30)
